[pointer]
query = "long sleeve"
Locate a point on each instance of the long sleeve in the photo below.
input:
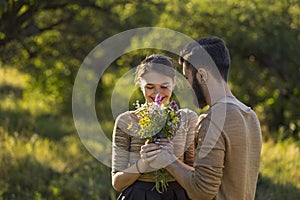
(227, 155)
(120, 145)
(205, 181)
(192, 119)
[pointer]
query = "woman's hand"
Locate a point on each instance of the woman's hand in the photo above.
(148, 153)
(165, 157)
(166, 144)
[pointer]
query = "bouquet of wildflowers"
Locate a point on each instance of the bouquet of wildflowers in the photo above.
(155, 121)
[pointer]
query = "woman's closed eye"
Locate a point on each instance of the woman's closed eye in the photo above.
(149, 87)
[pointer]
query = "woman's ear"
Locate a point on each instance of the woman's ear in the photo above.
(138, 81)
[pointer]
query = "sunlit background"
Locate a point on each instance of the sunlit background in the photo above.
(43, 43)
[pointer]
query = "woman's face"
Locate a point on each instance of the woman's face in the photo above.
(153, 83)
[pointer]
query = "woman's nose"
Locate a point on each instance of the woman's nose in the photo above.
(157, 91)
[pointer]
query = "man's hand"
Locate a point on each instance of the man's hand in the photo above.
(161, 153)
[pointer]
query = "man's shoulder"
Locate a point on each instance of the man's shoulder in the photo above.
(230, 107)
(233, 112)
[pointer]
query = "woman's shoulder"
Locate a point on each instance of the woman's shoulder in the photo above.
(126, 114)
(125, 117)
(123, 120)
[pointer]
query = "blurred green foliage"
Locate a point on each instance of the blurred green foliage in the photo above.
(49, 40)
(43, 43)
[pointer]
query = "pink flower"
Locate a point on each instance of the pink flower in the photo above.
(158, 99)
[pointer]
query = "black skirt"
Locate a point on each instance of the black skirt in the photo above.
(141, 190)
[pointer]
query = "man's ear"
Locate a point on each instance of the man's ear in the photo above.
(202, 76)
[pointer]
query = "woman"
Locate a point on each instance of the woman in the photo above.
(131, 174)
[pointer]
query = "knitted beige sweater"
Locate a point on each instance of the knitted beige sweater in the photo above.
(227, 155)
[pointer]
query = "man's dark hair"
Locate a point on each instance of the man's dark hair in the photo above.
(217, 50)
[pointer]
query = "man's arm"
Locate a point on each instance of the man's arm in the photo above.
(204, 179)
(179, 170)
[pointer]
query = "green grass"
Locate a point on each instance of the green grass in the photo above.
(41, 156)
(279, 171)
(38, 168)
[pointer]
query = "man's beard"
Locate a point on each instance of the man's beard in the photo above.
(198, 92)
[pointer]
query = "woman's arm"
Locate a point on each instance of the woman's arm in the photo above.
(122, 175)
(123, 179)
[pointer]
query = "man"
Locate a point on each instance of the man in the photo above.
(228, 138)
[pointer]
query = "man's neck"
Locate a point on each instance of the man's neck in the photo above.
(218, 93)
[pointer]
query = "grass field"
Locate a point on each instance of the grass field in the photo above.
(279, 171)
(41, 156)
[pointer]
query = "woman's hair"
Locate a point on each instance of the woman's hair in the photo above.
(157, 63)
